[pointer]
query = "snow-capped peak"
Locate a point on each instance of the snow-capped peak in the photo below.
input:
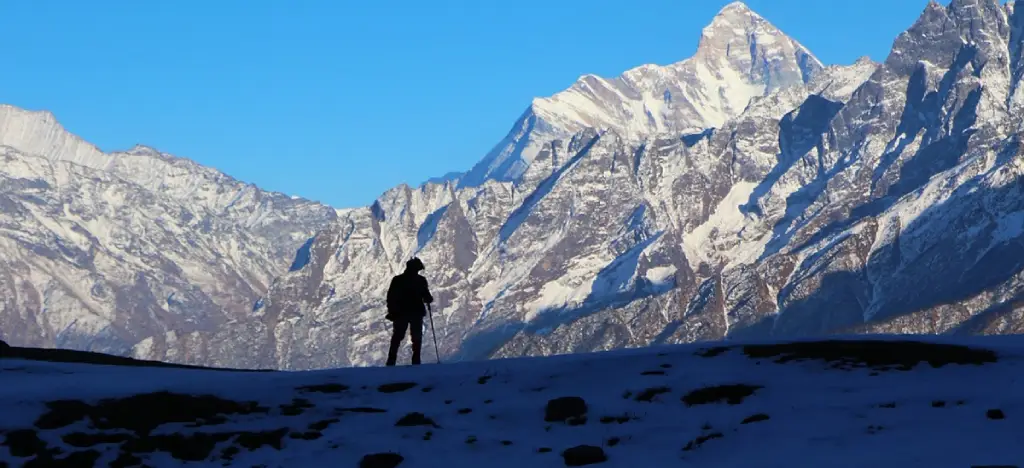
(737, 20)
(39, 133)
(735, 10)
(741, 37)
(740, 56)
(688, 94)
(142, 150)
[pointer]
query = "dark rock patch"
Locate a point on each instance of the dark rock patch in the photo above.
(487, 402)
(878, 355)
(324, 388)
(581, 455)
(427, 389)
(506, 442)
(483, 379)
(361, 409)
(296, 407)
(81, 459)
(199, 446)
(24, 443)
(653, 372)
(255, 440)
(696, 443)
(544, 450)
(324, 424)
(666, 366)
(875, 429)
(576, 421)
(229, 452)
(995, 414)
(125, 460)
(63, 413)
(191, 447)
(84, 440)
(938, 404)
(5, 349)
(565, 408)
(755, 418)
(732, 394)
(613, 441)
(448, 402)
(471, 440)
(143, 413)
(465, 410)
(396, 387)
(622, 419)
(649, 394)
(307, 435)
(712, 352)
(416, 419)
(887, 405)
(211, 421)
(627, 394)
(381, 460)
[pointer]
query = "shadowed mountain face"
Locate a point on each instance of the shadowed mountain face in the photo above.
(747, 191)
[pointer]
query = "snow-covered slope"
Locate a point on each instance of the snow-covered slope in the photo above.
(273, 215)
(102, 251)
(881, 403)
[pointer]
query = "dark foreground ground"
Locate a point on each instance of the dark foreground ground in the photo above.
(843, 403)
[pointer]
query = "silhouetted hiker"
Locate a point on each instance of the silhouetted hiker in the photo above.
(406, 296)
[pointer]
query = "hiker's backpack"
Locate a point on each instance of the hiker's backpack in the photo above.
(395, 301)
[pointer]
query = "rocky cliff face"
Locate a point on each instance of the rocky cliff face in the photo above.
(748, 191)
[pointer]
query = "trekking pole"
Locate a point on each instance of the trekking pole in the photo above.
(433, 332)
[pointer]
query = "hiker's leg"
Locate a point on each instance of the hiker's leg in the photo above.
(417, 339)
(397, 335)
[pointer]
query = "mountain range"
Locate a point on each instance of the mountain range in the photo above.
(746, 191)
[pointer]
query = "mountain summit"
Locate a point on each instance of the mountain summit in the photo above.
(740, 56)
(761, 53)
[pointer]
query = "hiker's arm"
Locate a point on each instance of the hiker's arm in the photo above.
(426, 293)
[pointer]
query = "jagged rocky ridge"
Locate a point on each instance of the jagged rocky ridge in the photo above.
(746, 191)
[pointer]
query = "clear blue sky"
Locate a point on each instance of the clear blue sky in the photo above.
(338, 100)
